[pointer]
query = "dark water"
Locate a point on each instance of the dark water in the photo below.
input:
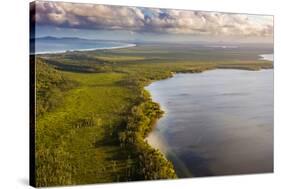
(59, 45)
(217, 122)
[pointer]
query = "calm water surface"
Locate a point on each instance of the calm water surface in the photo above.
(217, 122)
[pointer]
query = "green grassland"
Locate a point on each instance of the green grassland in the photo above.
(93, 114)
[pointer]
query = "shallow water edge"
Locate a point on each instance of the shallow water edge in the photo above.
(192, 156)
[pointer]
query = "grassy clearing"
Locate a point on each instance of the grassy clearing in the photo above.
(75, 142)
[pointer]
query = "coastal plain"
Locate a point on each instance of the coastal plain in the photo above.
(93, 113)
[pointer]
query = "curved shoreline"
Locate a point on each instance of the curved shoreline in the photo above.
(84, 50)
(163, 114)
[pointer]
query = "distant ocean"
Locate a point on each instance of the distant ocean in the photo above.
(59, 45)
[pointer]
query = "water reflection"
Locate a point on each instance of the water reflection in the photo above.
(216, 123)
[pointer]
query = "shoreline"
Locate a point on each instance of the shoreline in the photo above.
(83, 50)
(154, 125)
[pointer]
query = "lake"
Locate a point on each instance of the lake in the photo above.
(219, 122)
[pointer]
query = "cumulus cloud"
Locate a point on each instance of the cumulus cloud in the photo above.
(89, 16)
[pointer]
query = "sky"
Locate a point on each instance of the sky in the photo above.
(106, 22)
